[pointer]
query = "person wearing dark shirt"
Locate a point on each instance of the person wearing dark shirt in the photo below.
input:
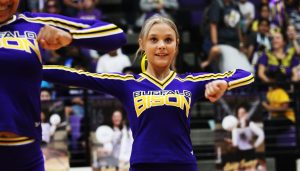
(223, 25)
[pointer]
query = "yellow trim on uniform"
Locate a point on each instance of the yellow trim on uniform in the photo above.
(16, 143)
(14, 18)
(140, 79)
(95, 29)
(56, 22)
(13, 139)
(241, 82)
(205, 77)
(161, 84)
(96, 75)
(99, 34)
(75, 28)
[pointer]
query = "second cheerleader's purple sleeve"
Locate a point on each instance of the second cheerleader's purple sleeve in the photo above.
(93, 34)
(109, 83)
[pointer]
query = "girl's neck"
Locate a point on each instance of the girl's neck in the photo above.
(157, 73)
(279, 53)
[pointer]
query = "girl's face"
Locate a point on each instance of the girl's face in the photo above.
(242, 113)
(88, 4)
(277, 41)
(291, 31)
(117, 118)
(160, 46)
(7, 9)
(52, 7)
(265, 12)
(45, 96)
(264, 27)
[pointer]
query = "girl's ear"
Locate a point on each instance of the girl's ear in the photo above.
(177, 43)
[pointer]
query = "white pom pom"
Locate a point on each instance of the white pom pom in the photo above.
(229, 122)
(104, 134)
(55, 119)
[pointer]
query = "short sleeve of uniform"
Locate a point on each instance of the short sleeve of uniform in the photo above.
(263, 60)
(295, 61)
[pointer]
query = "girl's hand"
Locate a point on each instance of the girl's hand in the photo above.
(52, 38)
(215, 90)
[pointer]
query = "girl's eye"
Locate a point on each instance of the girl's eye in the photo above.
(153, 39)
(168, 40)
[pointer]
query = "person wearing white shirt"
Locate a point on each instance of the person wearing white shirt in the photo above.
(247, 136)
(248, 13)
(114, 61)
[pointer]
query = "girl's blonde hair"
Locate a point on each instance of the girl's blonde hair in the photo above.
(156, 19)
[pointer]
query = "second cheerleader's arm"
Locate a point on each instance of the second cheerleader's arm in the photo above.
(92, 34)
(113, 84)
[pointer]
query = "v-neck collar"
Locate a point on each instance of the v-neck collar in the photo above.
(161, 84)
(14, 18)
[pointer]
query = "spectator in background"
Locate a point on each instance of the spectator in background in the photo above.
(293, 38)
(49, 107)
(88, 11)
(45, 95)
(125, 149)
(117, 126)
(259, 41)
(130, 9)
(247, 136)
(290, 5)
(278, 62)
(295, 17)
(52, 6)
(72, 7)
(74, 58)
(35, 5)
(265, 14)
(248, 13)
(277, 104)
(122, 139)
(226, 55)
(165, 8)
(223, 25)
(49, 104)
(47, 129)
(278, 14)
(113, 61)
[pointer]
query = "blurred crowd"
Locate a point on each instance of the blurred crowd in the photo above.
(260, 36)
